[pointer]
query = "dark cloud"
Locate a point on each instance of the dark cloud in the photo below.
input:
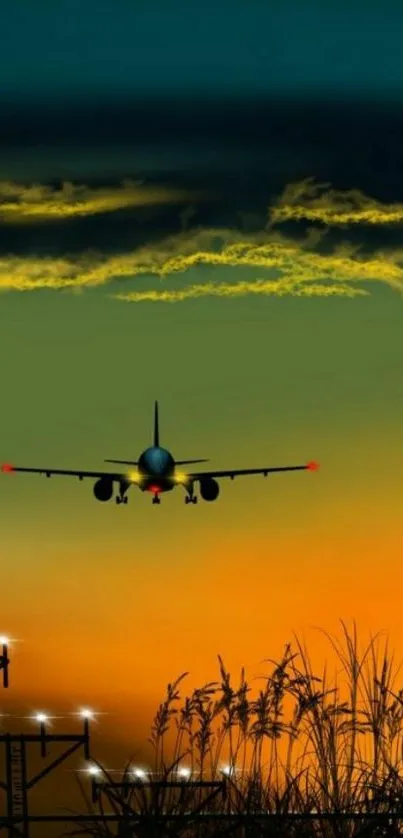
(344, 141)
(233, 158)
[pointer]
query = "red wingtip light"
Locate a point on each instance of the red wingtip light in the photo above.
(312, 466)
(7, 468)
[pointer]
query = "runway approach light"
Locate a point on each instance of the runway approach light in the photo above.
(139, 773)
(86, 714)
(41, 718)
(93, 770)
(228, 770)
(184, 772)
(4, 640)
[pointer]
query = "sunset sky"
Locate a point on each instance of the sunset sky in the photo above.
(191, 260)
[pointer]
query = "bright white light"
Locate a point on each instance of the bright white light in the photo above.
(184, 772)
(228, 769)
(4, 640)
(139, 773)
(86, 714)
(41, 718)
(93, 770)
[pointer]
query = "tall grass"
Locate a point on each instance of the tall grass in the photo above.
(338, 748)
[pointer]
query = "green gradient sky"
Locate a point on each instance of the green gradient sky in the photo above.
(244, 382)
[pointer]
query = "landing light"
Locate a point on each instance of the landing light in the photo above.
(179, 477)
(134, 476)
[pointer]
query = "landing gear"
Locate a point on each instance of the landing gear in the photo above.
(156, 499)
(123, 487)
(190, 497)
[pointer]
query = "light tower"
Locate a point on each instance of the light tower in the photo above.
(4, 660)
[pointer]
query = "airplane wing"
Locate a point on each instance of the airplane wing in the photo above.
(7, 468)
(311, 466)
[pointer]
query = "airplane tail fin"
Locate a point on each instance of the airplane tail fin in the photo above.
(156, 426)
(156, 443)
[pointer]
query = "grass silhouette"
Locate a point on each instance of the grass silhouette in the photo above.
(334, 754)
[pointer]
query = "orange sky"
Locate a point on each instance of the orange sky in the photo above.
(117, 653)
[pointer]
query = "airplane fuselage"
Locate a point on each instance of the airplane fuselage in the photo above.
(156, 470)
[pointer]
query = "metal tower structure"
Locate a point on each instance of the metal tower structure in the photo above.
(4, 660)
(17, 784)
(118, 795)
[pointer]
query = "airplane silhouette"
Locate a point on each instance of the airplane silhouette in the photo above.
(156, 472)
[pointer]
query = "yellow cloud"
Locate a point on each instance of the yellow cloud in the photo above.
(24, 204)
(295, 268)
(318, 202)
(266, 287)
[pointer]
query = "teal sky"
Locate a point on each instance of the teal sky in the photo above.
(170, 46)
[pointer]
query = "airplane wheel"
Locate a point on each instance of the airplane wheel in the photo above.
(118, 499)
(156, 500)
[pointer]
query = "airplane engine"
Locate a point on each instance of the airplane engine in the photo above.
(209, 489)
(103, 489)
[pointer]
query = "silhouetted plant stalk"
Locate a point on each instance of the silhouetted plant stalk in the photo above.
(331, 755)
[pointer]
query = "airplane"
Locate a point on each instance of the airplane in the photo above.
(156, 472)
